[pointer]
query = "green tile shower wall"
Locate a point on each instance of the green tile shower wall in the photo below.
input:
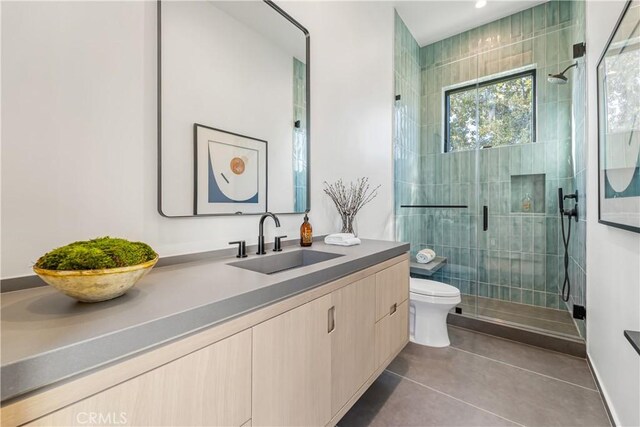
(519, 257)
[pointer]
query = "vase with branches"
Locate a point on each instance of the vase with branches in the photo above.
(350, 198)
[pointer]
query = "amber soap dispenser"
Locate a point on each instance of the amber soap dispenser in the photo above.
(306, 232)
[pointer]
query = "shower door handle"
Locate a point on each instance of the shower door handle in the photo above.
(485, 218)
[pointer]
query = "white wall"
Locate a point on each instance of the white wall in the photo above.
(79, 130)
(613, 258)
(219, 72)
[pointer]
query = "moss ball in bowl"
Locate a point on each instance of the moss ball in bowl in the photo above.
(96, 270)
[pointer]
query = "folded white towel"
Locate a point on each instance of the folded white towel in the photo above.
(425, 256)
(342, 239)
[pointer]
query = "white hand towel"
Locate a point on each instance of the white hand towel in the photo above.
(425, 256)
(342, 239)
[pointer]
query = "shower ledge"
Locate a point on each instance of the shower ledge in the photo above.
(429, 268)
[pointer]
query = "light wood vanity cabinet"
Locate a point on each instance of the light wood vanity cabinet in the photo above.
(211, 386)
(292, 367)
(302, 361)
(352, 340)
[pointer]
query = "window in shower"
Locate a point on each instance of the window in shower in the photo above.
(492, 113)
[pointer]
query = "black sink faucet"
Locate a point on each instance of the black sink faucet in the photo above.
(261, 250)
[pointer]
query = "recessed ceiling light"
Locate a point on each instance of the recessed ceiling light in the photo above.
(481, 3)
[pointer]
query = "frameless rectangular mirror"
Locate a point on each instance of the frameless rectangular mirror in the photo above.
(233, 109)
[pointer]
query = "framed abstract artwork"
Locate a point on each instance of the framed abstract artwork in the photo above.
(619, 124)
(230, 172)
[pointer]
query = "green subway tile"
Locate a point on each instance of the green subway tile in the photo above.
(503, 233)
(539, 272)
(454, 168)
(551, 52)
(552, 235)
(526, 266)
(494, 291)
(526, 158)
(494, 197)
(527, 22)
(551, 154)
(527, 297)
(551, 267)
(504, 163)
(565, 49)
(539, 299)
(565, 166)
(564, 12)
(494, 164)
(538, 150)
(552, 197)
(494, 267)
(552, 300)
(539, 18)
(527, 234)
(505, 193)
(483, 174)
(446, 49)
(539, 54)
(516, 272)
(515, 237)
(516, 295)
(465, 167)
(464, 43)
(517, 59)
(516, 26)
(539, 235)
(515, 160)
(552, 13)
(505, 30)
(505, 293)
(564, 120)
(483, 266)
(505, 268)
(455, 46)
(538, 194)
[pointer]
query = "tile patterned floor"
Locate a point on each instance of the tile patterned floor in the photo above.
(480, 381)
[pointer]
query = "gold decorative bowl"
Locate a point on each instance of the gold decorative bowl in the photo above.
(95, 285)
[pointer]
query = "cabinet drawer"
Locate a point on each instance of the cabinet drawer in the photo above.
(209, 387)
(392, 287)
(392, 333)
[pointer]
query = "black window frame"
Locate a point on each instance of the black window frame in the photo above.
(530, 72)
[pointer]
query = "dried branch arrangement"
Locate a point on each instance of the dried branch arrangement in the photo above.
(349, 199)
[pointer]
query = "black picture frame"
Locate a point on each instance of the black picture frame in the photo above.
(601, 142)
(307, 36)
(196, 169)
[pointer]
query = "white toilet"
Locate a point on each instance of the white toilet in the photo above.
(430, 302)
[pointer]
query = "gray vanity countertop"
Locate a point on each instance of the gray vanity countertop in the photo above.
(48, 337)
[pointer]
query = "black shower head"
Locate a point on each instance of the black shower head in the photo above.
(560, 78)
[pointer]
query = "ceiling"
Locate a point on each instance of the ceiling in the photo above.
(430, 21)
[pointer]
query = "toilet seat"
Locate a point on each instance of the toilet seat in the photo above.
(432, 288)
(435, 300)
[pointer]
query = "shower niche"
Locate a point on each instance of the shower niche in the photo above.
(528, 194)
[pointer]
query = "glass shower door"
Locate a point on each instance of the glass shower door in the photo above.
(443, 210)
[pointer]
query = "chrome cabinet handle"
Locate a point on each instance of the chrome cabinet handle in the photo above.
(393, 308)
(331, 319)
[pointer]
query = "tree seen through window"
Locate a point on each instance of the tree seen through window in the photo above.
(491, 114)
